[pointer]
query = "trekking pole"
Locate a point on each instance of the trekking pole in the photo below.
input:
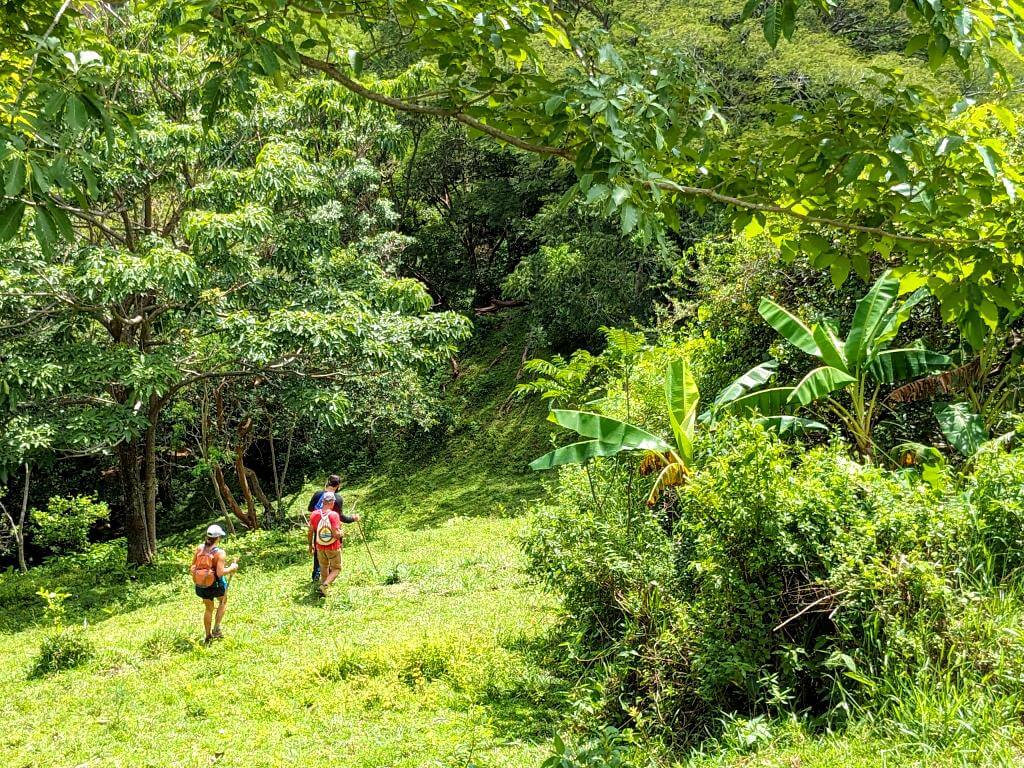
(362, 535)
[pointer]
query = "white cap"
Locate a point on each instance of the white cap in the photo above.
(327, 497)
(215, 532)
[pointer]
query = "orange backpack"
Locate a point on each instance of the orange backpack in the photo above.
(204, 567)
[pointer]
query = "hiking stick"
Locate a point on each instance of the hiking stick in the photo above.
(362, 535)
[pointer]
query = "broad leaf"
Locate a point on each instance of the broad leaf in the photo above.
(755, 377)
(608, 430)
(576, 453)
(819, 383)
(767, 402)
(868, 318)
(897, 317)
(962, 427)
(789, 325)
(790, 426)
(830, 346)
(902, 364)
(672, 474)
(682, 396)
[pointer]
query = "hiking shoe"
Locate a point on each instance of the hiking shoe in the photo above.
(208, 640)
(217, 634)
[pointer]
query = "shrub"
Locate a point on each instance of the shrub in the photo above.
(62, 649)
(64, 525)
(774, 580)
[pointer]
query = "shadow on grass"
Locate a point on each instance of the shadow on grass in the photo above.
(533, 703)
(100, 582)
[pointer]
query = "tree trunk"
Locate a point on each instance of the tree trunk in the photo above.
(273, 464)
(254, 484)
(140, 551)
(243, 480)
(19, 533)
(149, 471)
(230, 498)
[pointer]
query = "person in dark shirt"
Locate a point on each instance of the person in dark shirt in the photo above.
(333, 484)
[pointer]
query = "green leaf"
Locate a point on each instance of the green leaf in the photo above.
(75, 114)
(819, 383)
(608, 430)
(854, 166)
(989, 159)
(868, 317)
(45, 228)
(355, 60)
(10, 219)
(831, 347)
(15, 182)
(768, 402)
(790, 426)
(682, 397)
(575, 453)
(964, 429)
(755, 377)
(902, 364)
(629, 215)
(789, 326)
(771, 25)
(895, 319)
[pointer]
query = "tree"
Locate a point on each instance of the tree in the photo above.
(896, 171)
(239, 254)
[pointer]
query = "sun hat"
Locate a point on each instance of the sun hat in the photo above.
(215, 532)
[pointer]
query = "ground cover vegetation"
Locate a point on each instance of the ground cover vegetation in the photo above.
(758, 263)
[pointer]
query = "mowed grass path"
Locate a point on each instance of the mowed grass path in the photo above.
(439, 669)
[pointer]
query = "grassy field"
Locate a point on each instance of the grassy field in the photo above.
(439, 668)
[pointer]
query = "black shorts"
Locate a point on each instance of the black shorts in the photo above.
(217, 589)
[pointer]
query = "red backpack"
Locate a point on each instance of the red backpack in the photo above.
(204, 566)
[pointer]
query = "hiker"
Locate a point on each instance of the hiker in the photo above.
(333, 484)
(324, 536)
(208, 572)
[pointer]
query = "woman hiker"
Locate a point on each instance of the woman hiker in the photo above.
(208, 572)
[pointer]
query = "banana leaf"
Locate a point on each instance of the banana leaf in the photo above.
(672, 474)
(901, 364)
(755, 377)
(868, 317)
(962, 427)
(831, 347)
(767, 402)
(789, 325)
(897, 317)
(682, 396)
(819, 383)
(608, 430)
(575, 453)
(790, 426)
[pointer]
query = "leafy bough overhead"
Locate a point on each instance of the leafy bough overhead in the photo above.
(891, 167)
(859, 366)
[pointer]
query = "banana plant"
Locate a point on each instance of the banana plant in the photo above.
(858, 366)
(606, 436)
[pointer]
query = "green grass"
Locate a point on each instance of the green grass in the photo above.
(440, 668)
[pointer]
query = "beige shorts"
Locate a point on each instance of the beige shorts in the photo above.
(329, 560)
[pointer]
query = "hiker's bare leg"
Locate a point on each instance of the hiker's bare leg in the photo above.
(222, 605)
(207, 615)
(334, 573)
